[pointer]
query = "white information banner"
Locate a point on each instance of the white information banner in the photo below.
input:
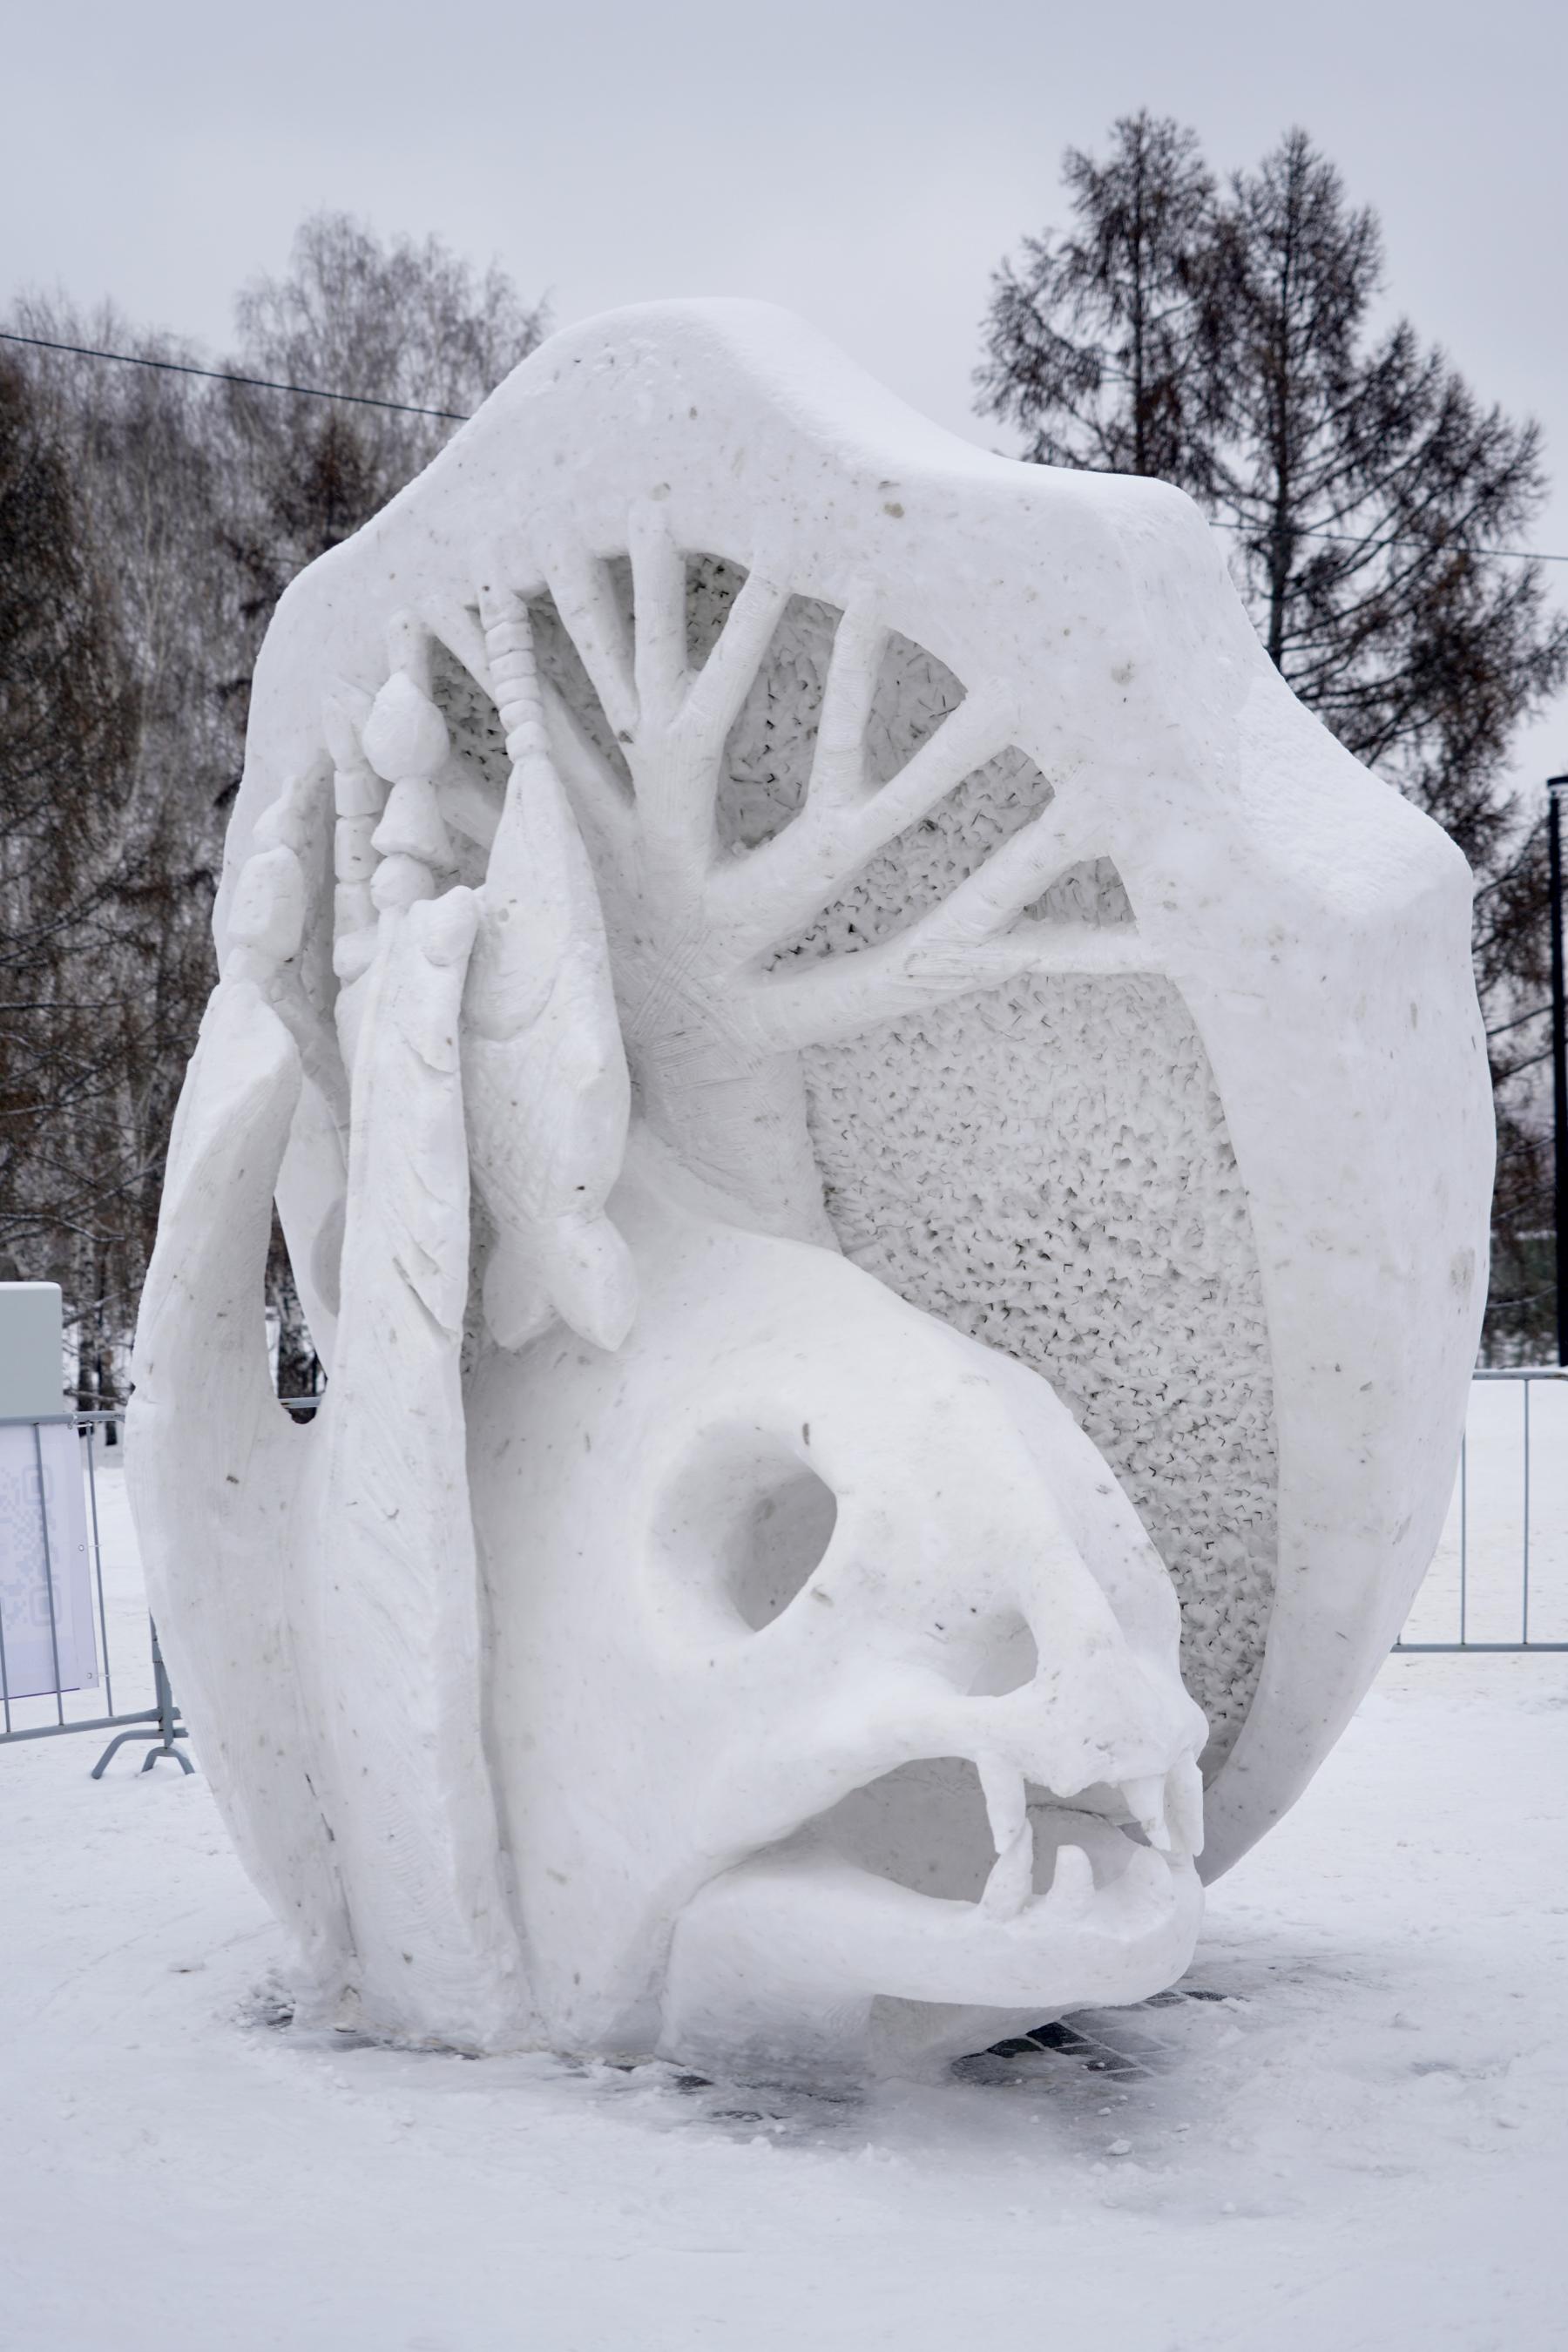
(25, 1512)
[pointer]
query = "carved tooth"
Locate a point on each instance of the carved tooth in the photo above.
(1184, 1804)
(354, 953)
(1150, 1876)
(406, 736)
(354, 857)
(343, 716)
(285, 820)
(412, 825)
(1072, 1886)
(269, 909)
(400, 882)
(1002, 1785)
(353, 909)
(358, 791)
(1012, 1878)
(1146, 1803)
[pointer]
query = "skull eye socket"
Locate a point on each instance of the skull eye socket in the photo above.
(742, 1526)
(1007, 1658)
(781, 1540)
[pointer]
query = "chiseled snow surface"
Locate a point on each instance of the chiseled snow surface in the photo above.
(1364, 2143)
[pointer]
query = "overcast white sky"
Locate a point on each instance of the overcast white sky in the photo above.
(864, 162)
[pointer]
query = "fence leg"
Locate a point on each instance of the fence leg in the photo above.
(168, 1730)
(117, 1742)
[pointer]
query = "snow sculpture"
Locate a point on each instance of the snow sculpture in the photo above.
(979, 1137)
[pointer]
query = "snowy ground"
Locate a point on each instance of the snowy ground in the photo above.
(1363, 2140)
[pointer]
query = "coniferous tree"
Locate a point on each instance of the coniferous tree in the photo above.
(1095, 340)
(1364, 491)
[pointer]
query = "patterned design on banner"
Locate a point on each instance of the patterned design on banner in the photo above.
(29, 1655)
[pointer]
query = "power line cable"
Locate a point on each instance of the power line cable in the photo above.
(222, 375)
(461, 417)
(1350, 539)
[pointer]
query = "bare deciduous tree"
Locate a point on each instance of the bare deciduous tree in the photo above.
(72, 1205)
(398, 322)
(149, 522)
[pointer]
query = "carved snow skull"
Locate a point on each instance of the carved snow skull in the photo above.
(1053, 1228)
(834, 1695)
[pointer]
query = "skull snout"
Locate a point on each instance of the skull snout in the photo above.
(890, 1650)
(892, 1624)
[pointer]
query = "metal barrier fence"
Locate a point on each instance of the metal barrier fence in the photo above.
(1499, 1580)
(19, 1709)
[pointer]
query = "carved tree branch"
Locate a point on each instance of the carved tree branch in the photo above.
(720, 686)
(659, 670)
(712, 1033)
(595, 787)
(580, 588)
(854, 664)
(762, 899)
(957, 946)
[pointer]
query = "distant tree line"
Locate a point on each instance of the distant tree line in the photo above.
(148, 523)
(1225, 337)
(1221, 337)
